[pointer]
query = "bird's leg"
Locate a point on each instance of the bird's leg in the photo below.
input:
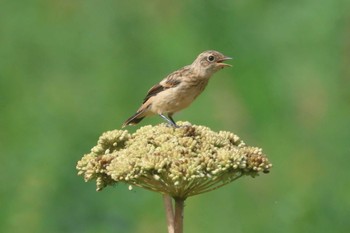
(170, 116)
(170, 121)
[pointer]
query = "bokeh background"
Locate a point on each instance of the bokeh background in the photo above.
(70, 70)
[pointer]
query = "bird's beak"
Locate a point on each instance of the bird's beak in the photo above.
(221, 64)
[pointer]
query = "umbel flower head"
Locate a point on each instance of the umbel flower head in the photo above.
(179, 162)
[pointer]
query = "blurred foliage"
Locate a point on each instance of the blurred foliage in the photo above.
(70, 70)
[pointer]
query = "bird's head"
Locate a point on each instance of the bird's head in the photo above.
(208, 62)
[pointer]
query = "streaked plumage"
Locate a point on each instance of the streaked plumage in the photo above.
(178, 90)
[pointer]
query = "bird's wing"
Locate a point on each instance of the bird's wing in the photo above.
(171, 81)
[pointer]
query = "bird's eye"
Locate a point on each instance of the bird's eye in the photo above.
(211, 58)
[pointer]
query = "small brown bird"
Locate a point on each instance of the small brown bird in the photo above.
(178, 90)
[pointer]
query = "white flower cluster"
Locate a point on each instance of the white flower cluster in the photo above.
(181, 162)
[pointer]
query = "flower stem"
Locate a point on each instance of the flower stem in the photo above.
(169, 212)
(179, 214)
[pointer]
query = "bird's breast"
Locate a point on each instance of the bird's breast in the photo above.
(175, 99)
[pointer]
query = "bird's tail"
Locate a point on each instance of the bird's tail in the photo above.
(134, 119)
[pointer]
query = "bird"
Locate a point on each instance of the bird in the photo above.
(179, 89)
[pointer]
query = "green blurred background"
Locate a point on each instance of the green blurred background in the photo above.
(70, 70)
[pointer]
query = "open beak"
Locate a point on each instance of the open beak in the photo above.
(221, 62)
